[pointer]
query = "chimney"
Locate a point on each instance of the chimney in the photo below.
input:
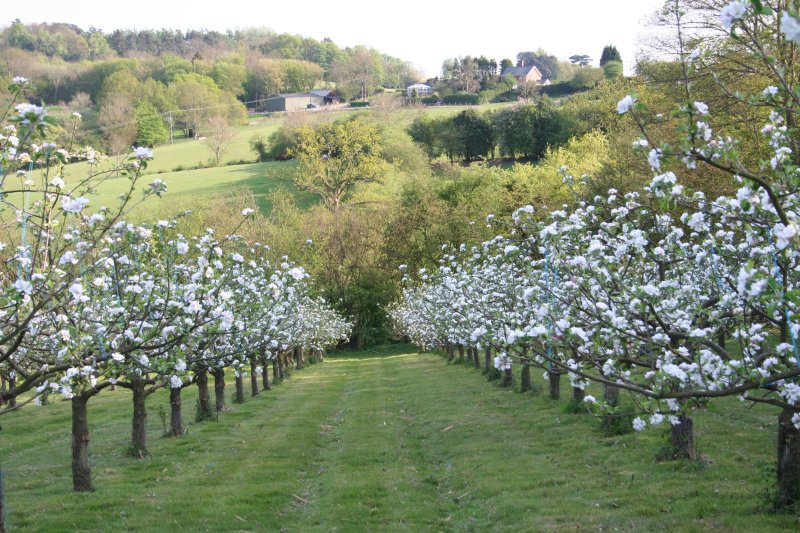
(522, 62)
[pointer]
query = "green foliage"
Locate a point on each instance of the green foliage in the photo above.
(610, 53)
(461, 99)
(618, 422)
(204, 414)
(333, 158)
(230, 74)
(467, 136)
(542, 186)
(18, 36)
(162, 417)
(359, 103)
(280, 143)
(473, 135)
(150, 126)
(587, 78)
(576, 407)
(561, 88)
(260, 146)
(488, 95)
(425, 131)
(580, 59)
(613, 70)
(527, 130)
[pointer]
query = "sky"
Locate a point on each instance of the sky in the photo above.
(424, 33)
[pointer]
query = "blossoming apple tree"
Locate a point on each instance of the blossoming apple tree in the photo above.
(88, 301)
(674, 297)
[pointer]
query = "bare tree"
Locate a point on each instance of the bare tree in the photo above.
(219, 137)
(118, 123)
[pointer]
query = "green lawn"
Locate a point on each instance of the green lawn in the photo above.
(387, 440)
(446, 110)
(189, 153)
(189, 188)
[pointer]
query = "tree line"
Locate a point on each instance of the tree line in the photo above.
(177, 81)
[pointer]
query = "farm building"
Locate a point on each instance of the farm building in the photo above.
(329, 96)
(298, 101)
(292, 102)
(421, 89)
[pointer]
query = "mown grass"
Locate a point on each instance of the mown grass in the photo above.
(397, 442)
(189, 188)
(189, 153)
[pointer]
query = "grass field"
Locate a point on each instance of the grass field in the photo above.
(192, 153)
(189, 187)
(387, 440)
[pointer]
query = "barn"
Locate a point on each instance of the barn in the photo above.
(293, 101)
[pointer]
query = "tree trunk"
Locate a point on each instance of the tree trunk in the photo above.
(239, 388)
(12, 382)
(451, 352)
(203, 396)
(297, 358)
(253, 376)
(611, 397)
(175, 417)
(610, 394)
(219, 388)
(508, 378)
(81, 472)
(460, 353)
(578, 394)
(682, 439)
(525, 379)
(476, 360)
(139, 427)
(275, 373)
(788, 462)
(487, 359)
(281, 369)
(265, 373)
(554, 377)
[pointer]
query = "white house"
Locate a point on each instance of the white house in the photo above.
(421, 89)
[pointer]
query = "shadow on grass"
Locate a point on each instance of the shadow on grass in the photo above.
(383, 351)
(262, 179)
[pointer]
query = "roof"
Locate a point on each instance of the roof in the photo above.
(322, 92)
(418, 86)
(292, 95)
(519, 71)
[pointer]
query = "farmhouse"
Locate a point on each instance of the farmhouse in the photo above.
(298, 101)
(421, 89)
(523, 74)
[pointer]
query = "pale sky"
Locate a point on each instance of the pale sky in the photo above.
(422, 32)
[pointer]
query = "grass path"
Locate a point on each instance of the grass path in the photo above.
(385, 441)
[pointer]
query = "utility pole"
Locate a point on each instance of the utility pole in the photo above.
(171, 121)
